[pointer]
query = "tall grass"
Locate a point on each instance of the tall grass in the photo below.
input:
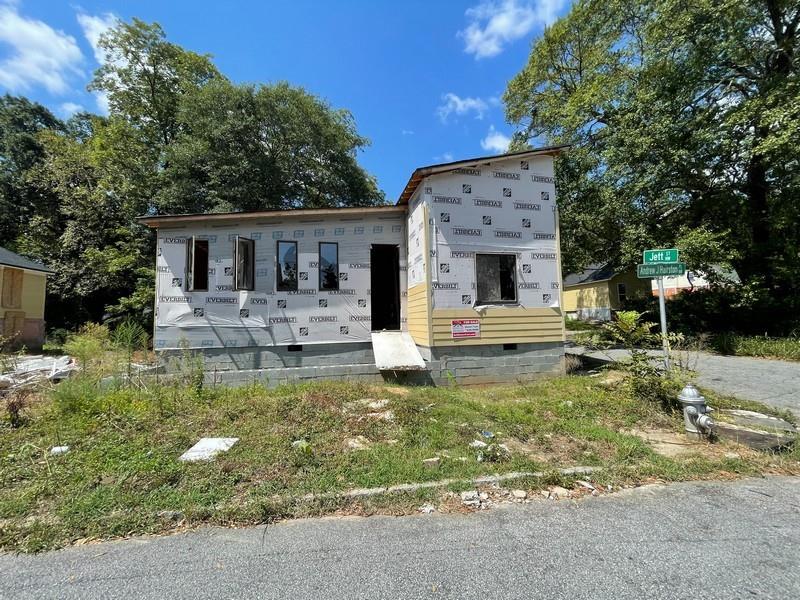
(761, 346)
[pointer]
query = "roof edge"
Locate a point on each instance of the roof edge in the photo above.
(155, 221)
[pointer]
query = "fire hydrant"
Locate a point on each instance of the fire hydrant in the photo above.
(697, 422)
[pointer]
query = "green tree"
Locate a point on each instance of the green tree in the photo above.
(246, 147)
(20, 150)
(684, 119)
(145, 77)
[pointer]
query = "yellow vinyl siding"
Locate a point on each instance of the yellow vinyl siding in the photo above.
(586, 296)
(633, 286)
(501, 325)
(418, 312)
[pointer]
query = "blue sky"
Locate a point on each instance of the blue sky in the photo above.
(423, 79)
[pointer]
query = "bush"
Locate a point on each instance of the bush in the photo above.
(726, 308)
(89, 344)
(77, 395)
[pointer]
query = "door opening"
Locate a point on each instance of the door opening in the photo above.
(384, 260)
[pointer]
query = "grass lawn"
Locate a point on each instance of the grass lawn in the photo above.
(787, 348)
(122, 476)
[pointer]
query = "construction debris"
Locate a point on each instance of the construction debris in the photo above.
(207, 449)
(28, 371)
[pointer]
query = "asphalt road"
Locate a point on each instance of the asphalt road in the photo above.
(695, 540)
(775, 382)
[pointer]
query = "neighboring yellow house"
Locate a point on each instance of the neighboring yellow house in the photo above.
(22, 290)
(599, 290)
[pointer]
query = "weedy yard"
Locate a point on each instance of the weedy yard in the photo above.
(122, 476)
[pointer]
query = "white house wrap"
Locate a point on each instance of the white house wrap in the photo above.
(223, 317)
(467, 263)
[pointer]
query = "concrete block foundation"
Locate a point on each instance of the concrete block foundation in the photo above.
(464, 365)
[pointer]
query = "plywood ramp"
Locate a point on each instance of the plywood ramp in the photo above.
(396, 351)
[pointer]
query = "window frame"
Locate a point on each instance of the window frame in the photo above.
(481, 302)
(191, 256)
(319, 266)
(236, 284)
(622, 297)
(278, 287)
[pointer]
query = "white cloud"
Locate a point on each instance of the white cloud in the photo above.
(40, 55)
(492, 25)
(101, 99)
(406, 132)
(93, 28)
(455, 105)
(444, 158)
(70, 108)
(495, 141)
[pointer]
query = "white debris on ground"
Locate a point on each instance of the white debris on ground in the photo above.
(357, 443)
(56, 450)
(486, 497)
(207, 449)
(27, 371)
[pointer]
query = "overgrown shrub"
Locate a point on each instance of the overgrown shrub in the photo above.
(77, 395)
(89, 344)
(646, 381)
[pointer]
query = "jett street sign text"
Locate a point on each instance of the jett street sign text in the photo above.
(664, 255)
(660, 270)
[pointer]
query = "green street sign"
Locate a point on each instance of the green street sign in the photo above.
(660, 270)
(663, 255)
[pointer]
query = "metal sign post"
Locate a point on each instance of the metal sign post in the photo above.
(657, 264)
(662, 309)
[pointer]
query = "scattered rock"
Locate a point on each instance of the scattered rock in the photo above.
(519, 494)
(357, 443)
(471, 498)
(5, 382)
(386, 415)
(483, 496)
(426, 509)
(432, 463)
(378, 404)
(595, 493)
(171, 515)
(733, 455)
(560, 492)
(585, 484)
(546, 494)
(478, 444)
(56, 450)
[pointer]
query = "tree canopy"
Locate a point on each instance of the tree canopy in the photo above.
(179, 137)
(684, 120)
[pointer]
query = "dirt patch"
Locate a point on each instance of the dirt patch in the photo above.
(669, 443)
